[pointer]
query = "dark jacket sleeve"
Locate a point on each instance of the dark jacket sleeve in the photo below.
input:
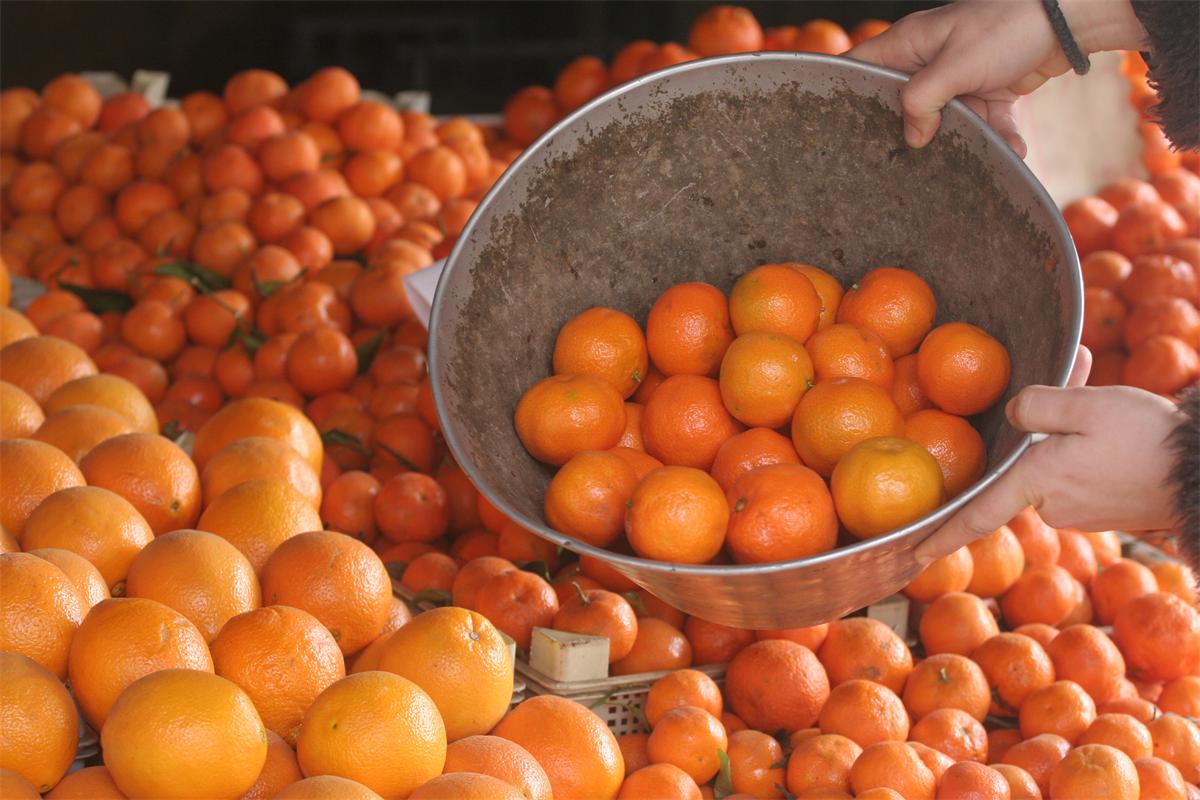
(1173, 31)
(1185, 475)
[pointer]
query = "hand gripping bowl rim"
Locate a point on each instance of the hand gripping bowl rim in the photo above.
(944, 511)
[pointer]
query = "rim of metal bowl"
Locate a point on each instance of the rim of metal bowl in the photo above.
(946, 511)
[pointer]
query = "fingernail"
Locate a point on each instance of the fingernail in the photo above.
(923, 558)
(912, 135)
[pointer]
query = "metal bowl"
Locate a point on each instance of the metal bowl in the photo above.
(699, 172)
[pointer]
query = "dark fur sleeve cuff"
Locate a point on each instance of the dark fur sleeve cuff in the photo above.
(1185, 475)
(1174, 61)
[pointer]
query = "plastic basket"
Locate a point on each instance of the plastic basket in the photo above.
(619, 701)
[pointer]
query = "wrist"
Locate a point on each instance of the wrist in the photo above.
(1100, 25)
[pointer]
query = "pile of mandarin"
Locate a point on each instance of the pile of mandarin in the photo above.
(756, 426)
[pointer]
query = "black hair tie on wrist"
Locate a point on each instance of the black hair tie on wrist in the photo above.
(1079, 62)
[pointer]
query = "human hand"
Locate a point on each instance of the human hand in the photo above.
(988, 53)
(1103, 466)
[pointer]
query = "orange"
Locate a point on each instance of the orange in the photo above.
(689, 738)
(688, 330)
(725, 29)
(1177, 741)
(79, 571)
(1103, 320)
(1159, 635)
(776, 685)
(41, 364)
(998, 562)
(1117, 584)
(821, 762)
(473, 574)
(955, 445)
(89, 783)
(20, 415)
(605, 343)
(152, 473)
(1105, 269)
(352, 726)
(864, 712)
(1162, 364)
(529, 113)
(685, 687)
(123, 639)
(969, 779)
(1091, 221)
(1171, 316)
(661, 781)
(685, 422)
(1015, 666)
(633, 751)
(279, 771)
(775, 298)
(470, 652)
(893, 765)
(411, 507)
(587, 497)
(1147, 227)
(956, 623)
(864, 648)
(1021, 784)
(762, 378)
(259, 457)
(574, 746)
(283, 658)
(500, 759)
(1043, 593)
(1038, 540)
(749, 450)
(253, 87)
(947, 680)
(327, 787)
(1085, 655)
(598, 612)
(94, 523)
(677, 514)
(198, 574)
(201, 723)
(756, 763)
(467, 786)
(962, 368)
(1181, 696)
(516, 602)
(439, 169)
(1124, 192)
(713, 643)
(257, 516)
(258, 417)
(954, 732)
(430, 572)
(884, 483)
(1095, 770)
(1122, 732)
(780, 512)
(850, 351)
(108, 391)
(327, 93)
(895, 304)
(950, 573)
(334, 577)
(659, 646)
(14, 326)
(836, 415)
(1038, 756)
(33, 471)
(1159, 276)
(1062, 708)
(567, 414)
(579, 81)
(75, 430)
(41, 725)
(1159, 778)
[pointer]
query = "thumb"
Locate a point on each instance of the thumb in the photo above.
(994, 507)
(1082, 368)
(1047, 409)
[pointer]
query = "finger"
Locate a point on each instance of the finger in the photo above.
(1048, 409)
(1081, 369)
(894, 49)
(994, 507)
(1000, 116)
(978, 106)
(926, 94)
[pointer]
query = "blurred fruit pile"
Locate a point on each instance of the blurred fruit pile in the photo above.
(217, 439)
(871, 398)
(1139, 245)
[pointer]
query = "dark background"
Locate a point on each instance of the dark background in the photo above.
(470, 55)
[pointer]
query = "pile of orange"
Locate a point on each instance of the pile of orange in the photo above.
(1139, 245)
(754, 427)
(721, 30)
